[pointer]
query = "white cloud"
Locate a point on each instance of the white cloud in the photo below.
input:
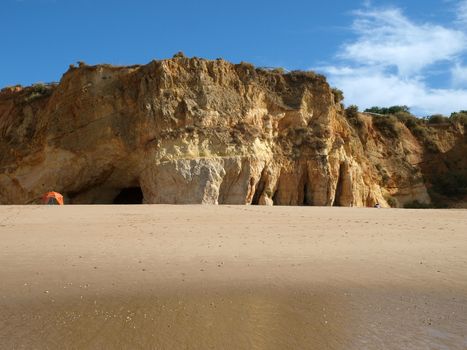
(462, 11)
(367, 88)
(387, 63)
(388, 38)
(459, 75)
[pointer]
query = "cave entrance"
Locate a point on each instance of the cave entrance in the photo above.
(129, 195)
(306, 195)
(260, 187)
(339, 188)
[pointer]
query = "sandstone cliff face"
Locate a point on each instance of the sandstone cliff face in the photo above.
(198, 131)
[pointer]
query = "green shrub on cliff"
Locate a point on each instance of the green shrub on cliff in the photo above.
(338, 95)
(278, 70)
(307, 74)
(38, 90)
(438, 119)
(459, 117)
(246, 67)
(351, 113)
(388, 110)
(387, 125)
(422, 133)
(412, 122)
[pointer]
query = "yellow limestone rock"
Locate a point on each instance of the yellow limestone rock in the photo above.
(187, 130)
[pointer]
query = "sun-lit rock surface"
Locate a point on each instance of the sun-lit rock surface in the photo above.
(187, 130)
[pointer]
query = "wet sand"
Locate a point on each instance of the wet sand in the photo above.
(232, 277)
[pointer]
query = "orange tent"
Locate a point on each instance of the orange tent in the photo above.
(52, 198)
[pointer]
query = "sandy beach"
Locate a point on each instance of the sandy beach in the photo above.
(232, 277)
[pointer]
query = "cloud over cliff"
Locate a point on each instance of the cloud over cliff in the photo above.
(394, 60)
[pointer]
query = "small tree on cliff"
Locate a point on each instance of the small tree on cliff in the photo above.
(388, 110)
(351, 113)
(459, 117)
(338, 95)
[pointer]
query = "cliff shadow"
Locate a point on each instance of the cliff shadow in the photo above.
(132, 194)
(129, 195)
(445, 174)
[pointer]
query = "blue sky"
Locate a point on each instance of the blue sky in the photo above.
(378, 52)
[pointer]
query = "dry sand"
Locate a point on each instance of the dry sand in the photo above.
(232, 277)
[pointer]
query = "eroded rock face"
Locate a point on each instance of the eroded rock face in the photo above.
(198, 131)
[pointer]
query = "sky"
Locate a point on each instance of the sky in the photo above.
(380, 53)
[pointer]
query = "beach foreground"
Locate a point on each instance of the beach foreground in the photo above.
(232, 277)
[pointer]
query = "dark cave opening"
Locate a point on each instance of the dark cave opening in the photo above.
(259, 189)
(339, 188)
(129, 195)
(306, 197)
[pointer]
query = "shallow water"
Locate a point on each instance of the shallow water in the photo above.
(254, 317)
(259, 318)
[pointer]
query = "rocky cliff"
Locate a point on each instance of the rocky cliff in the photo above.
(189, 130)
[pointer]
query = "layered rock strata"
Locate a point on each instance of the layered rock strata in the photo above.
(187, 130)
